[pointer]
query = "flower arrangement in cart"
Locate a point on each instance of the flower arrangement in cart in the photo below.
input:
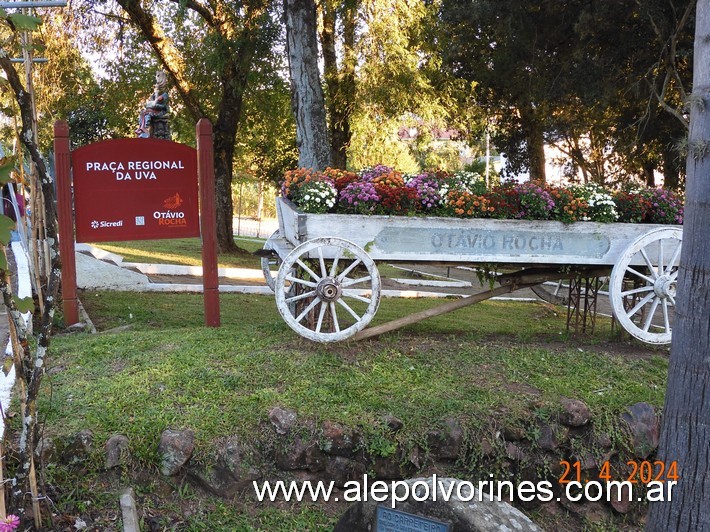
(383, 190)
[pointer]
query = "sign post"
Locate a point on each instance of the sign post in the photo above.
(65, 219)
(208, 217)
(137, 189)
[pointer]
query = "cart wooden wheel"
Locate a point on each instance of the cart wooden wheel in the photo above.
(269, 262)
(331, 297)
(642, 287)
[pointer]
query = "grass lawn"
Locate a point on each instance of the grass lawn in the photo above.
(157, 366)
(184, 251)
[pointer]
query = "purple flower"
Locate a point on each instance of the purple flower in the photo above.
(10, 523)
(359, 197)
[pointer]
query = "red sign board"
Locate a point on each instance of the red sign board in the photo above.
(135, 189)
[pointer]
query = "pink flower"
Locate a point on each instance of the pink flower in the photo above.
(10, 523)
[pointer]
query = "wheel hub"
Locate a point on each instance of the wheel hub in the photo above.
(664, 287)
(329, 289)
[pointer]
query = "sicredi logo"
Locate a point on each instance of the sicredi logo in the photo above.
(97, 224)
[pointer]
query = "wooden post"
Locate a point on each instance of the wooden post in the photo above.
(65, 215)
(208, 222)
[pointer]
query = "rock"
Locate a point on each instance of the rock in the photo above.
(514, 452)
(175, 449)
(46, 451)
(300, 454)
(604, 440)
(594, 512)
(446, 443)
(416, 456)
(389, 468)
(574, 413)
(643, 427)
(116, 451)
(621, 502)
(513, 433)
(341, 470)
(470, 515)
(393, 423)
(79, 447)
(232, 471)
(336, 439)
(283, 419)
(586, 460)
(487, 449)
(547, 439)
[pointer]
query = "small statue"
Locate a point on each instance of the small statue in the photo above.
(156, 107)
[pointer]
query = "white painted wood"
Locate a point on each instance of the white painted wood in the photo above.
(432, 239)
(326, 289)
(659, 251)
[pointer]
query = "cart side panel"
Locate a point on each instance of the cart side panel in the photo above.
(468, 240)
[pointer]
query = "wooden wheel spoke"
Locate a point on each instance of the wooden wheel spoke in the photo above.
(639, 274)
(301, 296)
(308, 270)
(300, 281)
(335, 317)
(674, 258)
(648, 262)
(666, 320)
(349, 309)
(351, 282)
(321, 314)
(660, 258)
(307, 310)
(639, 290)
(649, 316)
(334, 266)
(358, 297)
(350, 268)
(640, 304)
(321, 260)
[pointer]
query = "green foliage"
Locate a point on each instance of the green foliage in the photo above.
(6, 226)
(22, 22)
(587, 77)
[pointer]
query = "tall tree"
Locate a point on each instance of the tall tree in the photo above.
(307, 99)
(538, 63)
(339, 73)
(235, 31)
(686, 416)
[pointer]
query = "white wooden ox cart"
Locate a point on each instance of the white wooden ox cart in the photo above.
(328, 286)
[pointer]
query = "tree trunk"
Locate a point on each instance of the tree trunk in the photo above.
(233, 80)
(536, 152)
(649, 173)
(671, 168)
(686, 420)
(307, 100)
(339, 80)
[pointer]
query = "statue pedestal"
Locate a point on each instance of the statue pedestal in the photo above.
(160, 128)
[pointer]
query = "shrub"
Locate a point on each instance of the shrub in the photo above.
(427, 187)
(359, 198)
(665, 207)
(536, 203)
(632, 207)
(568, 208)
(294, 179)
(505, 201)
(467, 205)
(317, 196)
